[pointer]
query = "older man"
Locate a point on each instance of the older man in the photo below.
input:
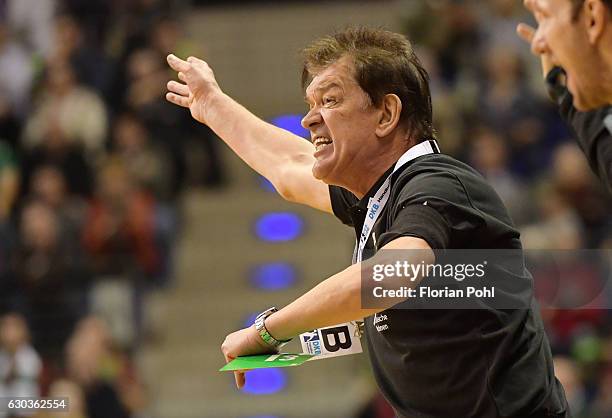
(375, 164)
(574, 41)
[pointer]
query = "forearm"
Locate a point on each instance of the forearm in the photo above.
(264, 147)
(333, 301)
(339, 298)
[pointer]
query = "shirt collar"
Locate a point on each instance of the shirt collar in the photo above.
(409, 156)
(363, 202)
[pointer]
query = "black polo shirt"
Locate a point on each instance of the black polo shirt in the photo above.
(453, 363)
(592, 129)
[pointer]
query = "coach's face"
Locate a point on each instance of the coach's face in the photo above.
(342, 124)
(572, 44)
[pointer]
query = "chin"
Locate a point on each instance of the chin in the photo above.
(319, 173)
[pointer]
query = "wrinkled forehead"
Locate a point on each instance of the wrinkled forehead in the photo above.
(340, 73)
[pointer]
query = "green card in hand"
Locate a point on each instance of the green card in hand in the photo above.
(263, 361)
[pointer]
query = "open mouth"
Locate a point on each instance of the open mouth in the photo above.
(321, 142)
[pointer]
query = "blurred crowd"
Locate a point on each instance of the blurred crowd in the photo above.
(92, 162)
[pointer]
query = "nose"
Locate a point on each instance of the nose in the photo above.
(311, 119)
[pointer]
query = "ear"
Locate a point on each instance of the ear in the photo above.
(390, 111)
(596, 18)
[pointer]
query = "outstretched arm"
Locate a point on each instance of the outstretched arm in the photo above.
(283, 158)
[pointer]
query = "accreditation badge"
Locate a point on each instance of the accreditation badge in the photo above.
(334, 341)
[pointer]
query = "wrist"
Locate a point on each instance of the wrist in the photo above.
(275, 327)
(214, 99)
(258, 340)
(264, 333)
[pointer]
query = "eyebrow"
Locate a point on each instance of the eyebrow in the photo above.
(324, 86)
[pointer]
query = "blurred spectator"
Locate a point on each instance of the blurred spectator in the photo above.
(147, 74)
(119, 231)
(76, 112)
(50, 278)
(498, 20)
(56, 150)
(120, 238)
(49, 185)
(451, 29)
(111, 388)
(145, 97)
(489, 155)
(557, 227)
(20, 366)
(576, 183)
(94, 17)
(172, 129)
(151, 170)
(508, 105)
(146, 162)
(92, 67)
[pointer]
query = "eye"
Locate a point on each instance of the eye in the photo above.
(329, 100)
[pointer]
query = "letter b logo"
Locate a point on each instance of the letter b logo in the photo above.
(336, 338)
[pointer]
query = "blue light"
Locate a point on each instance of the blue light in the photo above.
(266, 184)
(250, 319)
(279, 226)
(291, 123)
(265, 381)
(273, 276)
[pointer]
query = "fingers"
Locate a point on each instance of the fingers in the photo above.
(177, 64)
(240, 379)
(239, 376)
(177, 99)
(538, 46)
(526, 32)
(178, 88)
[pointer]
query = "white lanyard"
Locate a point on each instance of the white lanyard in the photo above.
(377, 203)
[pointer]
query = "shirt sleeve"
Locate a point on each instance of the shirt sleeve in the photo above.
(592, 129)
(435, 207)
(342, 200)
(420, 221)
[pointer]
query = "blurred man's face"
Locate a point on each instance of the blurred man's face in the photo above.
(566, 41)
(342, 124)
